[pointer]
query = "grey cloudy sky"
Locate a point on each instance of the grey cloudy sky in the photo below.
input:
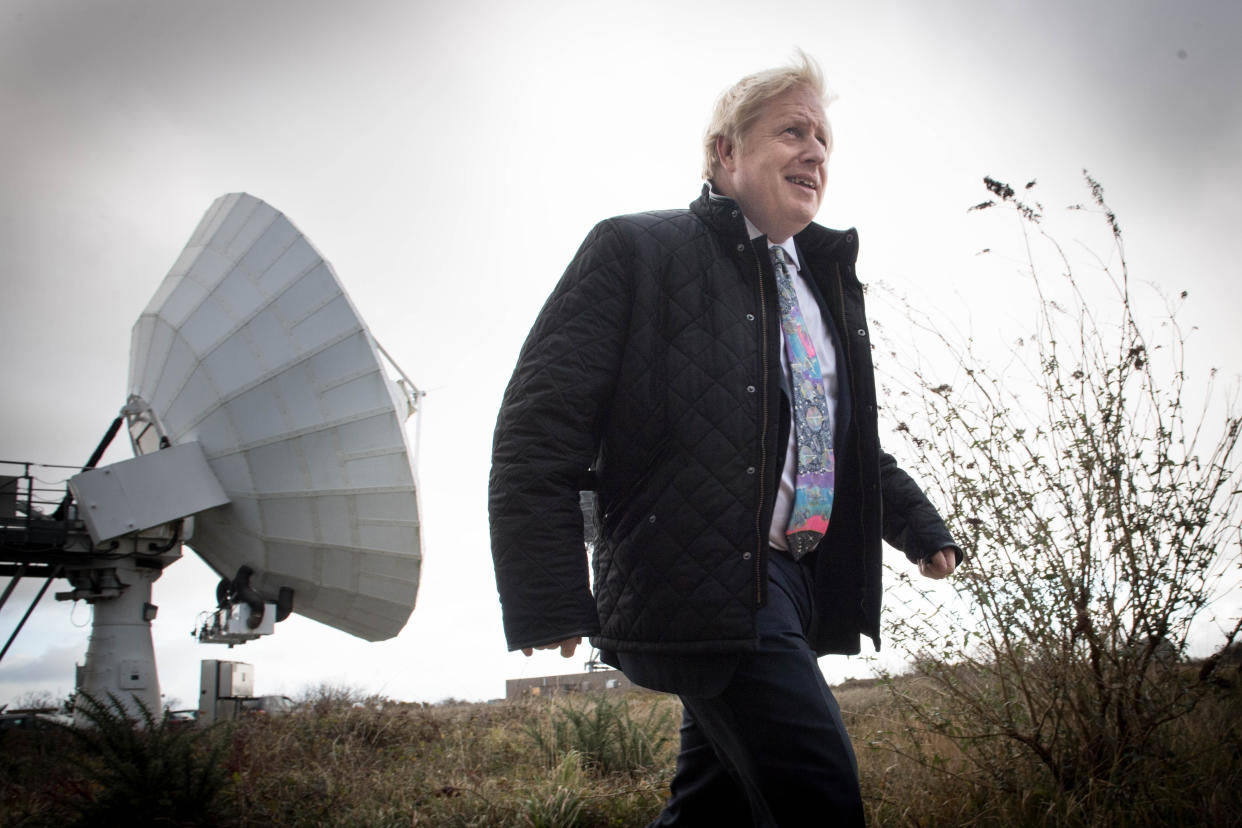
(448, 158)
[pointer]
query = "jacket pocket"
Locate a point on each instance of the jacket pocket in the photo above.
(626, 509)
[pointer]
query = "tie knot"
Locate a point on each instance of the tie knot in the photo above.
(780, 259)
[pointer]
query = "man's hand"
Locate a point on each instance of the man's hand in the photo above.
(940, 565)
(567, 647)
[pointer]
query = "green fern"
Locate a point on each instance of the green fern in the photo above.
(145, 770)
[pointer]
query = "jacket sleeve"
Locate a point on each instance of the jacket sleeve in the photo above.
(547, 436)
(911, 522)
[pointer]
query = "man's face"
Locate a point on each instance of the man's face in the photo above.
(778, 174)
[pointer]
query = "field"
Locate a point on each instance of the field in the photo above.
(553, 763)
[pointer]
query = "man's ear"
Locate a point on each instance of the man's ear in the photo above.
(726, 151)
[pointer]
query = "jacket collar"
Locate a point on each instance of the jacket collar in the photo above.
(723, 216)
(720, 213)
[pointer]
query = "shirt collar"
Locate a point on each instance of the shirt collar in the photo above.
(754, 232)
(787, 245)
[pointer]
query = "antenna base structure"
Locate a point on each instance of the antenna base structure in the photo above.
(49, 534)
(137, 514)
(120, 658)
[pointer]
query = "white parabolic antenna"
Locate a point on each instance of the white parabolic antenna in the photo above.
(251, 348)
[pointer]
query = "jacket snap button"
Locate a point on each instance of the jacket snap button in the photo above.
(862, 332)
(750, 317)
(651, 519)
(741, 247)
(750, 469)
(746, 556)
(733, 214)
(750, 389)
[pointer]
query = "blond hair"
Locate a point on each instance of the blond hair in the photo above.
(740, 106)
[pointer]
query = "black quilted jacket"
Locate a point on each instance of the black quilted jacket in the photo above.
(652, 375)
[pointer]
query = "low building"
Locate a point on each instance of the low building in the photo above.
(596, 681)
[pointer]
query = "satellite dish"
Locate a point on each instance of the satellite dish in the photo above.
(268, 436)
(251, 349)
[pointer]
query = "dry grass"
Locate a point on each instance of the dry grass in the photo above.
(912, 776)
(460, 765)
(338, 762)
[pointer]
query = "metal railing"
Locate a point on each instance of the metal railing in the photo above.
(36, 517)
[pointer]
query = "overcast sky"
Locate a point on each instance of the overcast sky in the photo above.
(448, 159)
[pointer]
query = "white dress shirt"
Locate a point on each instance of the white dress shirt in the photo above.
(825, 352)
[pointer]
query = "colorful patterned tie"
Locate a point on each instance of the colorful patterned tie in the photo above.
(814, 479)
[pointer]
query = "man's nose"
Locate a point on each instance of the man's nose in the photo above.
(814, 151)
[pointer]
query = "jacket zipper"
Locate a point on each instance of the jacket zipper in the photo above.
(849, 356)
(763, 429)
(845, 333)
(849, 360)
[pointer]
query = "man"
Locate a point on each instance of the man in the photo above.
(717, 394)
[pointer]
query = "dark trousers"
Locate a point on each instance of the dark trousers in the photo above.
(771, 749)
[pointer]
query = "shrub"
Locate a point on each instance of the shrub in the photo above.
(144, 770)
(602, 730)
(1100, 517)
